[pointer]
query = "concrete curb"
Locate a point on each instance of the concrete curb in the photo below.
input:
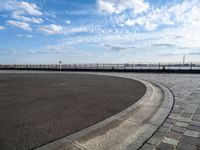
(128, 129)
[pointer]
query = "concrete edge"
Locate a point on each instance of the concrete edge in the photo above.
(129, 129)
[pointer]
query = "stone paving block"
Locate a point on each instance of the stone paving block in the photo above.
(174, 135)
(189, 110)
(178, 129)
(196, 117)
(178, 101)
(178, 109)
(190, 140)
(174, 115)
(167, 125)
(156, 138)
(186, 146)
(168, 120)
(191, 133)
(170, 141)
(163, 129)
(181, 124)
(184, 119)
(198, 111)
(165, 146)
(188, 115)
(192, 106)
(147, 147)
(184, 104)
(194, 128)
(194, 123)
(195, 101)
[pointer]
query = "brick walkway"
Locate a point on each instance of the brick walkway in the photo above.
(181, 130)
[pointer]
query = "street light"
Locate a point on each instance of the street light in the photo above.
(60, 66)
(184, 59)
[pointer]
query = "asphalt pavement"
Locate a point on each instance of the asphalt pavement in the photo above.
(36, 109)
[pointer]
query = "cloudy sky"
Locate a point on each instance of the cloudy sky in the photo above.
(99, 31)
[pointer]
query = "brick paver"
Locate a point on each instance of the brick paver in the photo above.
(181, 130)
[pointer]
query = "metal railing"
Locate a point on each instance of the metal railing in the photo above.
(164, 67)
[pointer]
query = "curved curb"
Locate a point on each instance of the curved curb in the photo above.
(128, 129)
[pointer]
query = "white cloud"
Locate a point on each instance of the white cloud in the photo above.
(25, 7)
(24, 35)
(30, 8)
(19, 16)
(119, 6)
(51, 29)
(23, 12)
(59, 48)
(150, 17)
(106, 6)
(67, 21)
(2, 27)
(58, 29)
(76, 30)
(19, 24)
(150, 26)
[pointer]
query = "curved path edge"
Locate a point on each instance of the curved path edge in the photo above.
(129, 129)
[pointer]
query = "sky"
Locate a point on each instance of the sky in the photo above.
(99, 31)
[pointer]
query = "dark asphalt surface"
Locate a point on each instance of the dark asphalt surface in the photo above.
(36, 109)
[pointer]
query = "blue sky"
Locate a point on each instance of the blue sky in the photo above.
(99, 31)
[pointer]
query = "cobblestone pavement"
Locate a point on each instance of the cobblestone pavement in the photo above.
(181, 130)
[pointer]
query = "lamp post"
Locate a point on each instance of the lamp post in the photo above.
(60, 65)
(184, 59)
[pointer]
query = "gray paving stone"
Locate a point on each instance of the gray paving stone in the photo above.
(188, 115)
(194, 128)
(186, 146)
(184, 119)
(167, 125)
(192, 106)
(171, 121)
(195, 123)
(178, 129)
(174, 135)
(174, 115)
(196, 117)
(191, 133)
(181, 124)
(190, 140)
(192, 111)
(163, 129)
(178, 109)
(156, 138)
(198, 111)
(165, 146)
(170, 141)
